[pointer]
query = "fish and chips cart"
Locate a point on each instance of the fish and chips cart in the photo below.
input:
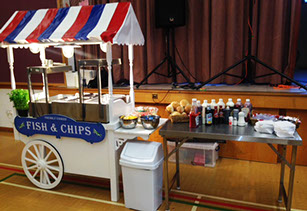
(79, 133)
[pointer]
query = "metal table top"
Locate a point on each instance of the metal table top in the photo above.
(49, 69)
(98, 62)
(225, 132)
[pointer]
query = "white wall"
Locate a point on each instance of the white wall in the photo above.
(7, 111)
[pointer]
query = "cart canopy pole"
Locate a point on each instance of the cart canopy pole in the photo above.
(109, 63)
(42, 56)
(110, 81)
(130, 55)
(10, 59)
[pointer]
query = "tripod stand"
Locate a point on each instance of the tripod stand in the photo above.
(249, 58)
(172, 66)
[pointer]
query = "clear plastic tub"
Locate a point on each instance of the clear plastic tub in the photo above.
(203, 154)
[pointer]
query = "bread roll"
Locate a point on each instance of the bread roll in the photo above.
(184, 102)
(169, 109)
(187, 108)
(180, 109)
(175, 104)
(175, 113)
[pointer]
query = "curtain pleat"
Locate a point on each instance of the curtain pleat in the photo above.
(215, 37)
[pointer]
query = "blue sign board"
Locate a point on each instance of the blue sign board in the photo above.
(60, 126)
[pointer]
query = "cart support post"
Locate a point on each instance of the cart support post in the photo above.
(130, 55)
(10, 59)
(114, 166)
(109, 63)
(42, 56)
(110, 81)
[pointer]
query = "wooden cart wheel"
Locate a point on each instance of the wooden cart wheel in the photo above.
(42, 164)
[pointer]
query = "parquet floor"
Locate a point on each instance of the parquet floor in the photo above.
(231, 185)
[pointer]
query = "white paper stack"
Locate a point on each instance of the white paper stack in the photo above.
(284, 128)
(265, 126)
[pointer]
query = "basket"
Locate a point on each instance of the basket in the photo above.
(179, 118)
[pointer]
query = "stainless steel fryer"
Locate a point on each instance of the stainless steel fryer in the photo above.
(82, 106)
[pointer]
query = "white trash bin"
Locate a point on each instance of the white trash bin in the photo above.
(142, 169)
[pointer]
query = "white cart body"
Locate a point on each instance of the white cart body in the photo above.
(115, 23)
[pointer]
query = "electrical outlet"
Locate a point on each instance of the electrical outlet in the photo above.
(154, 96)
(9, 114)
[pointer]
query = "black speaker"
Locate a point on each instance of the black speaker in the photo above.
(170, 13)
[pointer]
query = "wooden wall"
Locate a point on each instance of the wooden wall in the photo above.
(275, 103)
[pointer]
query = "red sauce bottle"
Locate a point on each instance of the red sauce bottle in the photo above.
(194, 116)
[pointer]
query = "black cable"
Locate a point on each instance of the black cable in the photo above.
(158, 102)
(184, 64)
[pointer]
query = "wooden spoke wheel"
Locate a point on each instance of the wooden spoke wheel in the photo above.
(42, 164)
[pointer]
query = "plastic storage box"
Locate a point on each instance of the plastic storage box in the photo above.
(204, 154)
(142, 169)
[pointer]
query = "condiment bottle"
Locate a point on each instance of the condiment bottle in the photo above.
(235, 113)
(239, 104)
(204, 106)
(230, 103)
(247, 110)
(220, 108)
(221, 115)
(213, 104)
(221, 103)
(199, 111)
(226, 115)
(209, 115)
(193, 114)
(215, 116)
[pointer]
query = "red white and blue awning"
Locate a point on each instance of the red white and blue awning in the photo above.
(113, 22)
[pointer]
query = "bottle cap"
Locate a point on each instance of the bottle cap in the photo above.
(198, 102)
(239, 99)
(213, 101)
(247, 100)
(230, 99)
(194, 99)
(205, 101)
(220, 100)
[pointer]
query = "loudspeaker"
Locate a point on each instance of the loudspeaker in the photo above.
(170, 13)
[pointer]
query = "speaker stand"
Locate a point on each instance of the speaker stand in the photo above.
(172, 66)
(249, 57)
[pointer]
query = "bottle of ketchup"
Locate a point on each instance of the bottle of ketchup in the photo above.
(194, 115)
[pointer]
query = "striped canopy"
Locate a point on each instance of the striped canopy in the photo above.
(113, 22)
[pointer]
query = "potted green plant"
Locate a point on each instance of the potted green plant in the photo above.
(20, 98)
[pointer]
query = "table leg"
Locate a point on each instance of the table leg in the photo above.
(291, 179)
(166, 182)
(282, 173)
(177, 168)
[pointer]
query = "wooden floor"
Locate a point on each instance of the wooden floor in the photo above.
(231, 185)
